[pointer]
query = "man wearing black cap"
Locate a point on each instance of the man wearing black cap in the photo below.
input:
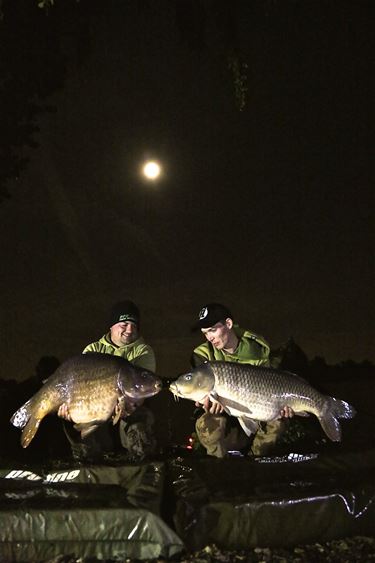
(123, 338)
(227, 342)
(136, 430)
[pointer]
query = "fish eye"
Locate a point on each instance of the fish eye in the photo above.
(188, 377)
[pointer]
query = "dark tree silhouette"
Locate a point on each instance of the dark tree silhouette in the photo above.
(293, 358)
(31, 69)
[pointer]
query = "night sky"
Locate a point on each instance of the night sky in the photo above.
(268, 210)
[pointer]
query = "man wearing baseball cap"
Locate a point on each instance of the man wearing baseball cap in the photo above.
(227, 342)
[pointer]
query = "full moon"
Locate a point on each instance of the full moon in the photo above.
(152, 170)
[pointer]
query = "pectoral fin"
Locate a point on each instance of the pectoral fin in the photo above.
(85, 428)
(119, 410)
(248, 425)
(215, 397)
(231, 407)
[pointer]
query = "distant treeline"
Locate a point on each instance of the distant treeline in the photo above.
(291, 357)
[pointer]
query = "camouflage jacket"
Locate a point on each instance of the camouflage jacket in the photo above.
(138, 353)
(137, 434)
(251, 349)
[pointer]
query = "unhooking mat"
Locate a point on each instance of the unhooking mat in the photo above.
(100, 511)
(242, 503)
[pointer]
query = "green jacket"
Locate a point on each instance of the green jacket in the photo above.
(251, 349)
(138, 353)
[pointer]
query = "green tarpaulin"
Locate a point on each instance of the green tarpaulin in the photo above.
(154, 509)
(241, 502)
(100, 511)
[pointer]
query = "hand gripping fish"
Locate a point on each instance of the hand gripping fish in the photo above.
(93, 386)
(255, 394)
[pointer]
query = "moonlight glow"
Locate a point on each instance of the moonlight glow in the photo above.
(152, 170)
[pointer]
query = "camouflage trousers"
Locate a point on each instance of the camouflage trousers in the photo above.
(134, 434)
(219, 436)
(137, 434)
(92, 447)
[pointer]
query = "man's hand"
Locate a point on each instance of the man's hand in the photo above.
(287, 412)
(63, 412)
(213, 407)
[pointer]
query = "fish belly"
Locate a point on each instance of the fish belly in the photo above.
(86, 407)
(256, 408)
(264, 410)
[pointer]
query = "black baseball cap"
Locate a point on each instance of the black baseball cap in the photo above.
(211, 314)
(124, 311)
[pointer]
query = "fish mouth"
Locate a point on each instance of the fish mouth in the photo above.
(139, 392)
(173, 388)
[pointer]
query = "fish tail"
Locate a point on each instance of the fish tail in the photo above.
(22, 415)
(331, 426)
(342, 409)
(28, 417)
(29, 431)
(335, 409)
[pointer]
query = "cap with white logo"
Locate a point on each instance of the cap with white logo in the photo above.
(211, 314)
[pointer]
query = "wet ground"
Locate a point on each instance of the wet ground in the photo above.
(357, 549)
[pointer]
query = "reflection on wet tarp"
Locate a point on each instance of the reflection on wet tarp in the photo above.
(240, 502)
(95, 511)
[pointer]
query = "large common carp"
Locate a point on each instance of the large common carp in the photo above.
(259, 393)
(93, 386)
